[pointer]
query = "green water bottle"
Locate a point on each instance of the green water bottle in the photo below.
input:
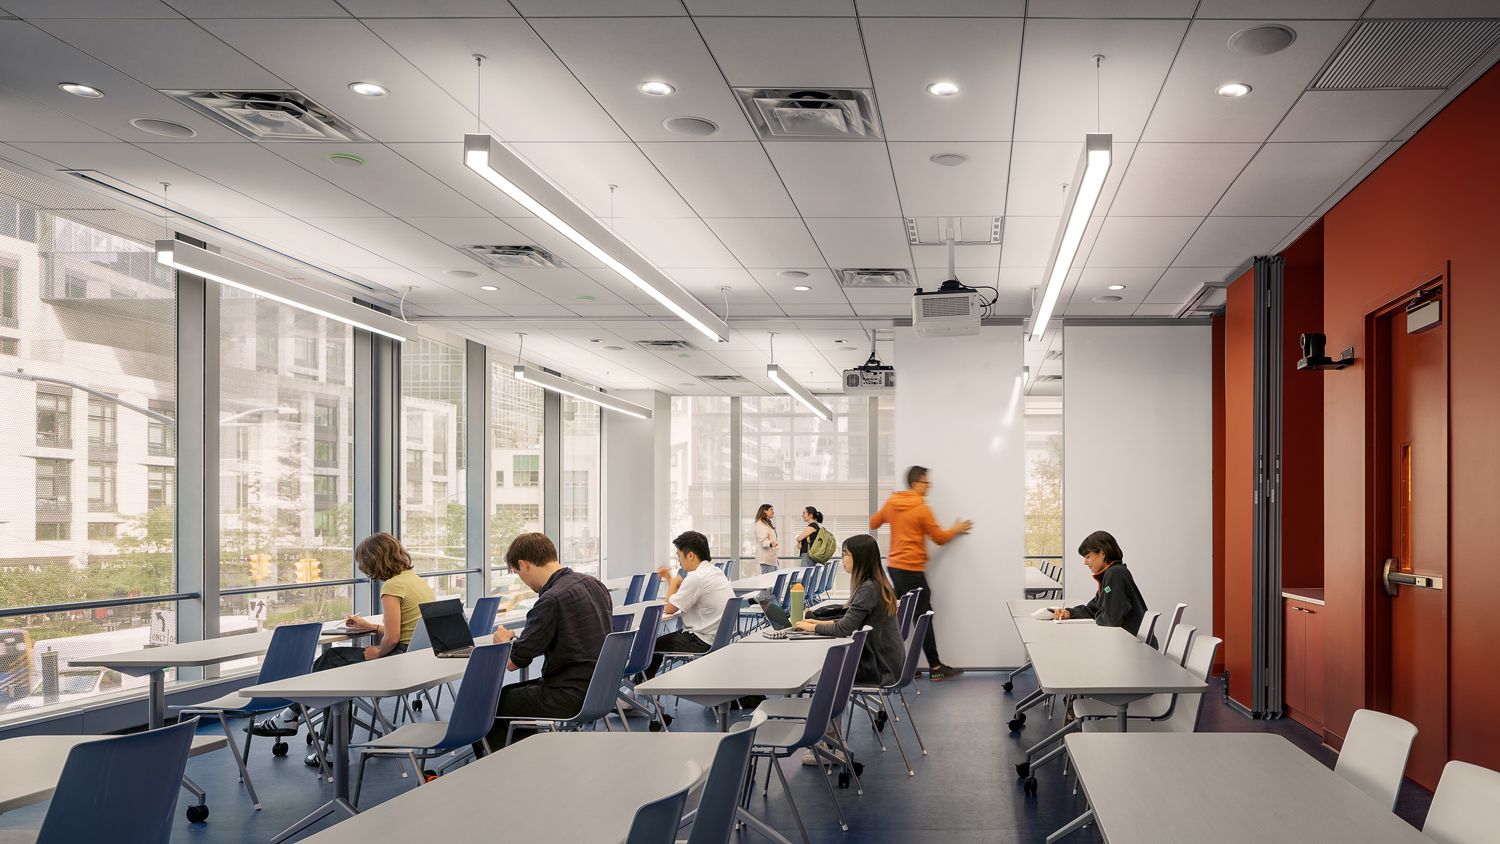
(797, 597)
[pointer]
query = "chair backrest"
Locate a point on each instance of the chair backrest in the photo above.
(652, 587)
(636, 587)
(714, 822)
(906, 610)
(1148, 621)
(783, 588)
(622, 621)
(1179, 642)
(482, 618)
(1462, 806)
(830, 574)
(1374, 754)
(851, 670)
(478, 696)
(604, 685)
(1172, 620)
(128, 782)
(290, 654)
(656, 822)
(419, 638)
(645, 640)
(913, 650)
(1200, 661)
(820, 708)
(729, 622)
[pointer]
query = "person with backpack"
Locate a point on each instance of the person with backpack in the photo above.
(815, 544)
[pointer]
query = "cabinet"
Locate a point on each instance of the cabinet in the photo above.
(1303, 683)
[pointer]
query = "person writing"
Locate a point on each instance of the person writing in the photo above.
(814, 519)
(912, 524)
(766, 543)
(566, 627)
(1117, 603)
(699, 596)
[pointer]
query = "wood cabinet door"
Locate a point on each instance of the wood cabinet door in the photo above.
(1294, 686)
(1312, 663)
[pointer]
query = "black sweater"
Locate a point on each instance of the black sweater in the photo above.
(881, 661)
(1118, 603)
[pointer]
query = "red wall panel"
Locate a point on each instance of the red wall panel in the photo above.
(1239, 480)
(1302, 415)
(1217, 365)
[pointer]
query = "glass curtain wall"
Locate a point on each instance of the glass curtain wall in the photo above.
(582, 482)
(433, 500)
(516, 423)
(1044, 482)
(88, 398)
(701, 480)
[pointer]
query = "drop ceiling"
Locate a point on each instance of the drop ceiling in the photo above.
(1200, 183)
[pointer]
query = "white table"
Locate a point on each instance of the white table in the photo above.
(599, 780)
(1038, 582)
(743, 669)
(758, 582)
(30, 766)
(1233, 788)
(398, 674)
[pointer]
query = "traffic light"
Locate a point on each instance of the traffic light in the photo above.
(309, 570)
(260, 567)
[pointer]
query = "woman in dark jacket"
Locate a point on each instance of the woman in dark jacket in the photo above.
(1117, 602)
(872, 603)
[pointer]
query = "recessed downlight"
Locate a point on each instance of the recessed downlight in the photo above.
(78, 89)
(164, 128)
(345, 159)
(657, 88)
(1116, 287)
(1233, 90)
(1104, 300)
(841, 341)
(943, 88)
(614, 348)
(792, 274)
(948, 159)
(1262, 40)
(584, 297)
(461, 273)
(368, 89)
(801, 288)
(488, 288)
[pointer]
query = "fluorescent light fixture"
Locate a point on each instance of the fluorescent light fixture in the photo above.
(531, 190)
(548, 381)
(799, 392)
(216, 267)
(1083, 195)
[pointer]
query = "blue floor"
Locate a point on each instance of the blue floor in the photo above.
(966, 790)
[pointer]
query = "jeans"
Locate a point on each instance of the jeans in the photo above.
(905, 581)
(530, 699)
(678, 641)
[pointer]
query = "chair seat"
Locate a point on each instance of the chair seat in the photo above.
(780, 735)
(1155, 706)
(423, 735)
(786, 707)
(1112, 725)
(234, 703)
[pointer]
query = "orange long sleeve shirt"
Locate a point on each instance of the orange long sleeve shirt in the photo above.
(912, 524)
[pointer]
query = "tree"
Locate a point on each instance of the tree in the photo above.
(1044, 502)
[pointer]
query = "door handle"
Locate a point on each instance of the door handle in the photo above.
(1393, 579)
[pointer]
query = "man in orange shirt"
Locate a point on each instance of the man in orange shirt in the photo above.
(912, 522)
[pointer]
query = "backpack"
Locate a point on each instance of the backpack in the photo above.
(822, 546)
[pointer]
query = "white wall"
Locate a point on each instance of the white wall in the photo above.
(959, 412)
(635, 486)
(1138, 458)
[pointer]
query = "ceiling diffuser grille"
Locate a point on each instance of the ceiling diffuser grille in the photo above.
(1407, 54)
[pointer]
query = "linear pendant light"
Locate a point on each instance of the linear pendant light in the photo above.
(1083, 195)
(487, 156)
(799, 392)
(216, 267)
(548, 381)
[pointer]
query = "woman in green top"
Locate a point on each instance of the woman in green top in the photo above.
(382, 557)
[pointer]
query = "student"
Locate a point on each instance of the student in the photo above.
(912, 523)
(872, 602)
(1117, 603)
(699, 597)
(565, 627)
(814, 520)
(766, 543)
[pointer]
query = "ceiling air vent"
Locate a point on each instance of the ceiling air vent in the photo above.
(874, 277)
(270, 115)
(834, 114)
(512, 257)
(1048, 378)
(724, 379)
(1407, 54)
(1207, 300)
(666, 345)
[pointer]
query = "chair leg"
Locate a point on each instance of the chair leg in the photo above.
(790, 800)
(359, 777)
(620, 710)
(234, 750)
(912, 721)
(416, 767)
(838, 735)
(249, 722)
(317, 744)
(896, 734)
(825, 774)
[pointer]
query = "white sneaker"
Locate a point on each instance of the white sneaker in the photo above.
(810, 759)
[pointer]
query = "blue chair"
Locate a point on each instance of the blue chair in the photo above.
(875, 700)
(729, 623)
(652, 588)
(127, 784)
(290, 654)
(638, 661)
(482, 619)
(472, 717)
(635, 589)
(657, 821)
(720, 800)
(598, 699)
(622, 621)
(906, 609)
(781, 591)
(796, 708)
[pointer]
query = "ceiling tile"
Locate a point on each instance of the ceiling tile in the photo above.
(387, 180)
(428, 9)
(257, 172)
(1352, 115)
(1141, 241)
(1430, 9)
(1179, 179)
(707, 284)
(837, 179)
(24, 120)
(299, 238)
(470, 231)
(540, 234)
(1110, 8)
(788, 52)
(679, 242)
(812, 309)
(1190, 108)
(968, 256)
(825, 288)
(771, 242)
(975, 188)
(773, 8)
(597, 8)
(1064, 96)
(1028, 241)
(585, 172)
(445, 162)
(90, 9)
(1095, 281)
(394, 240)
(145, 172)
(567, 285)
(980, 55)
(862, 242)
(195, 60)
(1231, 241)
(1282, 9)
(941, 8)
(1287, 179)
(663, 49)
(1178, 284)
(723, 179)
(1098, 310)
(260, 9)
(1156, 310)
(1039, 173)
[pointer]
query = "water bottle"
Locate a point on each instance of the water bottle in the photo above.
(797, 595)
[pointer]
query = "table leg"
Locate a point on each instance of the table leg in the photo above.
(156, 702)
(1124, 721)
(759, 825)
(339, 712)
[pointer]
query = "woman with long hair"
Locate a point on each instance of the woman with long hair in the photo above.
(814, 519)
(872, 602)
(766, 543)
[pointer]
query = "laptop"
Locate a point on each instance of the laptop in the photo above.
(781, 623)
(448, 629)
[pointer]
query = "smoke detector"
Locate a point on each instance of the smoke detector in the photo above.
(876, 277)
(270, 115)
(513, 257)
(817, 114)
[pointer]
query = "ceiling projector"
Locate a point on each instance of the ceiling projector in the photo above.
(872, 378)
(952, 310)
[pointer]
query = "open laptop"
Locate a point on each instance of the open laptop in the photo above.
(781, 623)
(448, 629)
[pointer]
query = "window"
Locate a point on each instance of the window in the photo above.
(433, 405)
(325, 434)
(101, 424)
(1044, 480)
(527, 468)
(53, 531)
(161, 434)
(335, 371)
(576, 492)
(160, 487)
(700, 470)
(305, 352)
(499, 478)
(10, 346)
(516, 422)
(581, 487)
(10, 304)
(103, 531)
(101, 487)
(54, 420)
(54, 486)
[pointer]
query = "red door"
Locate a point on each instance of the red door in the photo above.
(1417, 455)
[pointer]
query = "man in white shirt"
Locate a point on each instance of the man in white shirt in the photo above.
(699, 597)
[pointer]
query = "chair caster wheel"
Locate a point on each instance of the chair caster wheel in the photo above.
(1023, 769)
(197, 814)
(1014, 725)
(417, 704)
(843, 779)
(1009, 686)
(1030, 786)
(654, 726)
(308, 738)
(1021, 717)
(280, 748)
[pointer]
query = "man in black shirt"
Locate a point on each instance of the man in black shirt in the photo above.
(566, 627)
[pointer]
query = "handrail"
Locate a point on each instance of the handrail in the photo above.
(284, 587)
(11, 612)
